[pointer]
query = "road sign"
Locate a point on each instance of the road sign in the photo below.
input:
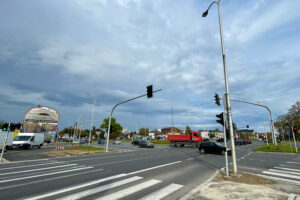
(287, 131)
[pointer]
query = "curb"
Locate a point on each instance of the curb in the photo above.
(188, 195)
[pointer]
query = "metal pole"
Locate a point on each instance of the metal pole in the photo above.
(294, 138)
(266, 132)
(225, 145)
(92, 122)
(227, 105)
(270, 116)
(4, 144)
(172, 120)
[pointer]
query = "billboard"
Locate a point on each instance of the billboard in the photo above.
(41, 119)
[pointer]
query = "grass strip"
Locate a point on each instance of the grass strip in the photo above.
(283, 148)
(84, 148)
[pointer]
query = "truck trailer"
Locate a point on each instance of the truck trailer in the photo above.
(193, 139)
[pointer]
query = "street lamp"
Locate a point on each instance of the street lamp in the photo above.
(90, 136)
(227, 102)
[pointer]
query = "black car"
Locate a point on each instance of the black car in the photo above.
(213, 147)
(146, 144)
(135, 142)
(240, 141)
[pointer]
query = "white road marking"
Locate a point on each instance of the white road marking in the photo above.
(159, 194)
(190, 159)
(298, 163)
(24, 166)
(128, 191)
(75, 187)
(102, 188)
(281, 179)
(284, 175)
(38, 169)
(282, 171)
(289, 169)
(26, 161)
(60, 172)
(143, 170)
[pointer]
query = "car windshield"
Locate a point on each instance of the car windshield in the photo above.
(22, 138)
(219, 144)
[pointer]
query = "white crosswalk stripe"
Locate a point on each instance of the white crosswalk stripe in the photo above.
(289, 172)
(129, 191)
(162, 192)
(86, 190)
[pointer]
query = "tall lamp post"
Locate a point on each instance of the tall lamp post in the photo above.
(90, 136)
(227, 105)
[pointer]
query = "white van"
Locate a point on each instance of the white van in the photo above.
(28, 140)
(9, 140)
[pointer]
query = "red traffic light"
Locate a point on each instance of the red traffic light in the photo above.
(295, 130)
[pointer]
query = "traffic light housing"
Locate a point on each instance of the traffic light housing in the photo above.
(5, 127)
(150, 91)
(247, 126)
(295, 130)
(221, 118)
(217, 99)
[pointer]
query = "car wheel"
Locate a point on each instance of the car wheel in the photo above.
(223, 152)
(202, 151)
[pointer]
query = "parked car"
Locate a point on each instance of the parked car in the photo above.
(240, 141)
(248, 141)
(116, 142)
(220, 140)
(213, 147)
(135, 142)
(146, 144)
(100, 141)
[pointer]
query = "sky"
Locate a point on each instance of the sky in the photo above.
(54, 52)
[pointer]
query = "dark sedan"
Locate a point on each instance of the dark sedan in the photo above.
(135, 142)
(146, 144)
(213, 147)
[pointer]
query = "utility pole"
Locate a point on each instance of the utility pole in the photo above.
(294, 137)
(172, 120)
(227, 105)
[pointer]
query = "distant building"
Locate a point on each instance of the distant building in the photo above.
(166, 131)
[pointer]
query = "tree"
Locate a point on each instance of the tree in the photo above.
(144, 131)
(289, 120)
(116, 128)
(188, 130)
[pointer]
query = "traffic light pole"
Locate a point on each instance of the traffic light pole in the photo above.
(270, 116)
(4, 144)
(294, 138)
(225, 144)
(109, 123)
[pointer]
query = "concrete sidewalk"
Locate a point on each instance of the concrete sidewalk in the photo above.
(246, 186)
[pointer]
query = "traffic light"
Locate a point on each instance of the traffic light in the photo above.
(295, 130)
(5, 127)
(247, 126)
(221, 118)
(149, 91)
(217, 99)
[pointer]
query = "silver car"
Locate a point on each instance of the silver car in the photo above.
(116, 142)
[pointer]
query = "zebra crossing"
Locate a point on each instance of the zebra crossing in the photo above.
(288, 172)
(103, 189)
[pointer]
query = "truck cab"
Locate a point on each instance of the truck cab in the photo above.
(28, 140)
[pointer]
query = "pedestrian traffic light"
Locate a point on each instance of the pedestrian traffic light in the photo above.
(295, 130)
(217, 99)
(149, 91)
(221, 118)
(4, 127)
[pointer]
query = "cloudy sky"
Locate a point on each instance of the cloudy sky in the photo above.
(53, 52)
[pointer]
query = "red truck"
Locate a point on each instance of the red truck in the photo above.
(193, 139)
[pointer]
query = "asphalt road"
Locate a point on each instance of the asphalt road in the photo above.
(134, 173)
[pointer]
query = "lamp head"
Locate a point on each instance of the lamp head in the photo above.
(205, 13)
